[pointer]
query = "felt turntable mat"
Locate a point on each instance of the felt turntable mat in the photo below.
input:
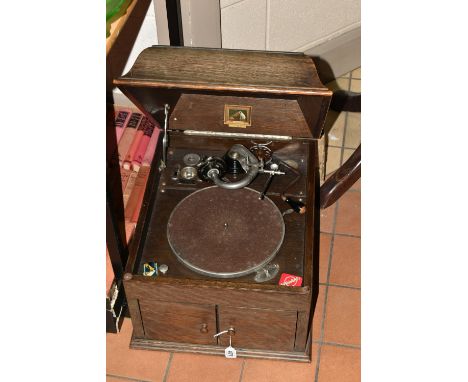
(225, 233)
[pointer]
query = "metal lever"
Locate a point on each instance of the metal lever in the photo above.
(272, 172)
(165, 138)
(267, 185)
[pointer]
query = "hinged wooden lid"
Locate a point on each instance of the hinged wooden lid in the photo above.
(275, 83)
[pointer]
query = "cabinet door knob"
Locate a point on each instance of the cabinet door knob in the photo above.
(204, 328)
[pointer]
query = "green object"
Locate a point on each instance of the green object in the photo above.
(114, 10)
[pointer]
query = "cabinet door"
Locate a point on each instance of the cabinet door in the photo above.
(258, 328)
(176, 322)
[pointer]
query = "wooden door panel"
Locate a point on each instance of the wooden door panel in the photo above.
(177, 322)
(258, 328)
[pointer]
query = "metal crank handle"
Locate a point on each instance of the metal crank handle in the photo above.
(231, 332)
(296, 205)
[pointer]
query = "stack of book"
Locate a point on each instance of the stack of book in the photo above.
(137, 138)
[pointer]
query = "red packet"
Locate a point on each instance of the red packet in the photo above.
(290, 280)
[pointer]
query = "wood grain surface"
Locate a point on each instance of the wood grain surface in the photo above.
(299, 356)
(225, 69)
(269, 115)
(179, 311)
(169, 321)
(257, 328)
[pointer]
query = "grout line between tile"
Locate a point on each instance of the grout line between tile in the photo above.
(166, 372)
(347, 234)
(345, 126)
(345, 147)
(242, 371)
(337, 344)
(319, 350)
(125, 378)
(341, 286)
(350, 148)
(325, 298)
(349, 346)
(267, 25)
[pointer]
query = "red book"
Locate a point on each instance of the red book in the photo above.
(129, 231)
(144, 173)
(124, 176)
(148, 132)
(129, 187)
(135, 197)
(122, 116)
(149, 153)
(127, 163)
(128, 135)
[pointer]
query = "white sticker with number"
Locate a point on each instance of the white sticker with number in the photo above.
(230, 352)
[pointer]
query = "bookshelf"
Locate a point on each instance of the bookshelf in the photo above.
(123, 34)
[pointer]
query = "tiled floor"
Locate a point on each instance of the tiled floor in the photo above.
(336, 331)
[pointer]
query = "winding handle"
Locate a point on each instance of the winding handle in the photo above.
(341, 180)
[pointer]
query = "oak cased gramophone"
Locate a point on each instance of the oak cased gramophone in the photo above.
(230, 218)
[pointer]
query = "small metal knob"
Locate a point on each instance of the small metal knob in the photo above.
(204, 328)
(231, 331)
(127, 276)
(163, 268)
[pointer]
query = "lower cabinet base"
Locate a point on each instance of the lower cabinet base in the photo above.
(142, 343)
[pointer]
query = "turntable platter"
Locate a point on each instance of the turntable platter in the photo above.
(225, 233)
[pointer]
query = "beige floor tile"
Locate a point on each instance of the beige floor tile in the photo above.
(333, 159)
(353, 130)
(356, 73)
(339, 364)
(346, 261)
(186, 367)
(147, 365)
(346, 154)
(318, 315)
(356, 186)
(355, 85)
(325, 242)
(339, 83)
(348, 219)
(346, 75)
(279, 371)
(343, 316)
(327, 219)
(116, 379)
(336, 131)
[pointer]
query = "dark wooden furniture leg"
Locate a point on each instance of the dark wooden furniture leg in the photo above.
(350, 171)
(343, 100)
